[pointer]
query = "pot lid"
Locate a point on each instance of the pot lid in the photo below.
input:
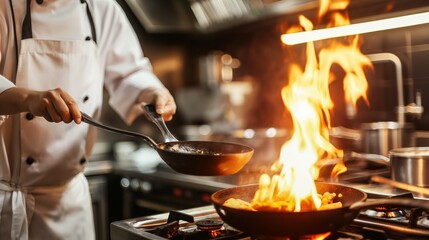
(410, 152)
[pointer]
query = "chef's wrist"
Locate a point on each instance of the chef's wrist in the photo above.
(14, 100)
(30, 97)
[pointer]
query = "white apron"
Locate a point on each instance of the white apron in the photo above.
(48, 196)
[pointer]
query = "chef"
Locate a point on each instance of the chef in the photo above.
(56, 56)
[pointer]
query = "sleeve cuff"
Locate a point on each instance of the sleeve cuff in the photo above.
(5, 84)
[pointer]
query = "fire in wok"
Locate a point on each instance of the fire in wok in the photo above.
(296, 224)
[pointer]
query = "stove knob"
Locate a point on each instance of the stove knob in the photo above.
(135, 184)
(177, 192)
(205, 198)
(125, 182)
(146, 187)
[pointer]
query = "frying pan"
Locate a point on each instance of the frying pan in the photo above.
(296, 224)
(217, 159)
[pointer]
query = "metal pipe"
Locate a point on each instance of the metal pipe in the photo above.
(389, 57)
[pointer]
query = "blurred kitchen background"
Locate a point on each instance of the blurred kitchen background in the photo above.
(224, 62)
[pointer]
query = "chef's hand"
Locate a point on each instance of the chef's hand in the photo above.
(161, 99)
(55, 105)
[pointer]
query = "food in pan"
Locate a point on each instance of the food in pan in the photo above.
(327, 199)
(184, 149)
(277, 194)
(187, 149)
(239, 204)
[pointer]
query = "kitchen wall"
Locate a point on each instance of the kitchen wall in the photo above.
(264, 60)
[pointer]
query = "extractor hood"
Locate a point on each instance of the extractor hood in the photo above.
(206, 16)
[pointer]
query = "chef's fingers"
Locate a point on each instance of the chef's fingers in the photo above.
(52, 111)
(165, 104)
(75, 112)
(45, 103)
(166, 107)
(58, 109)
(60, 106)
(162, 99)
(48, 111)
(73, 108)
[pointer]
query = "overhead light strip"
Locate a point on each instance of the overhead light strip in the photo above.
(354, 29)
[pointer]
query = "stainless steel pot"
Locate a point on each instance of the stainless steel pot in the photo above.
(376, 137)
(410, 165)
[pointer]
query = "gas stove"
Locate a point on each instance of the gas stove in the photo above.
(381, 223)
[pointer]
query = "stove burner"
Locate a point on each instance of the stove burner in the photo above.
(209, 224)
(384, 212)
(213, 227)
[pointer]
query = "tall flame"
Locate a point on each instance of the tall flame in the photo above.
(307, 97)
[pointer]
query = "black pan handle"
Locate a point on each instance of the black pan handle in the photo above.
(91, 121)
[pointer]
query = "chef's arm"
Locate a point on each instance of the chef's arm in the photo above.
(129, 78)
(54, 105)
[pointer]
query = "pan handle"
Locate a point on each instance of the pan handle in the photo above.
(370, 157)
(91, 121)
(151, 113)
(396, 202)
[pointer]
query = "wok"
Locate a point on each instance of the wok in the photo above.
(296, 224)
(216, 159)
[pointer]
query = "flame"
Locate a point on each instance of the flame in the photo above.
(307, 97)
(321, 236)
(331, 5)
(306, 237)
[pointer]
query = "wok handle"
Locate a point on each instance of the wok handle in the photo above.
(401, 185)
(91, 121)
(396, 202)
